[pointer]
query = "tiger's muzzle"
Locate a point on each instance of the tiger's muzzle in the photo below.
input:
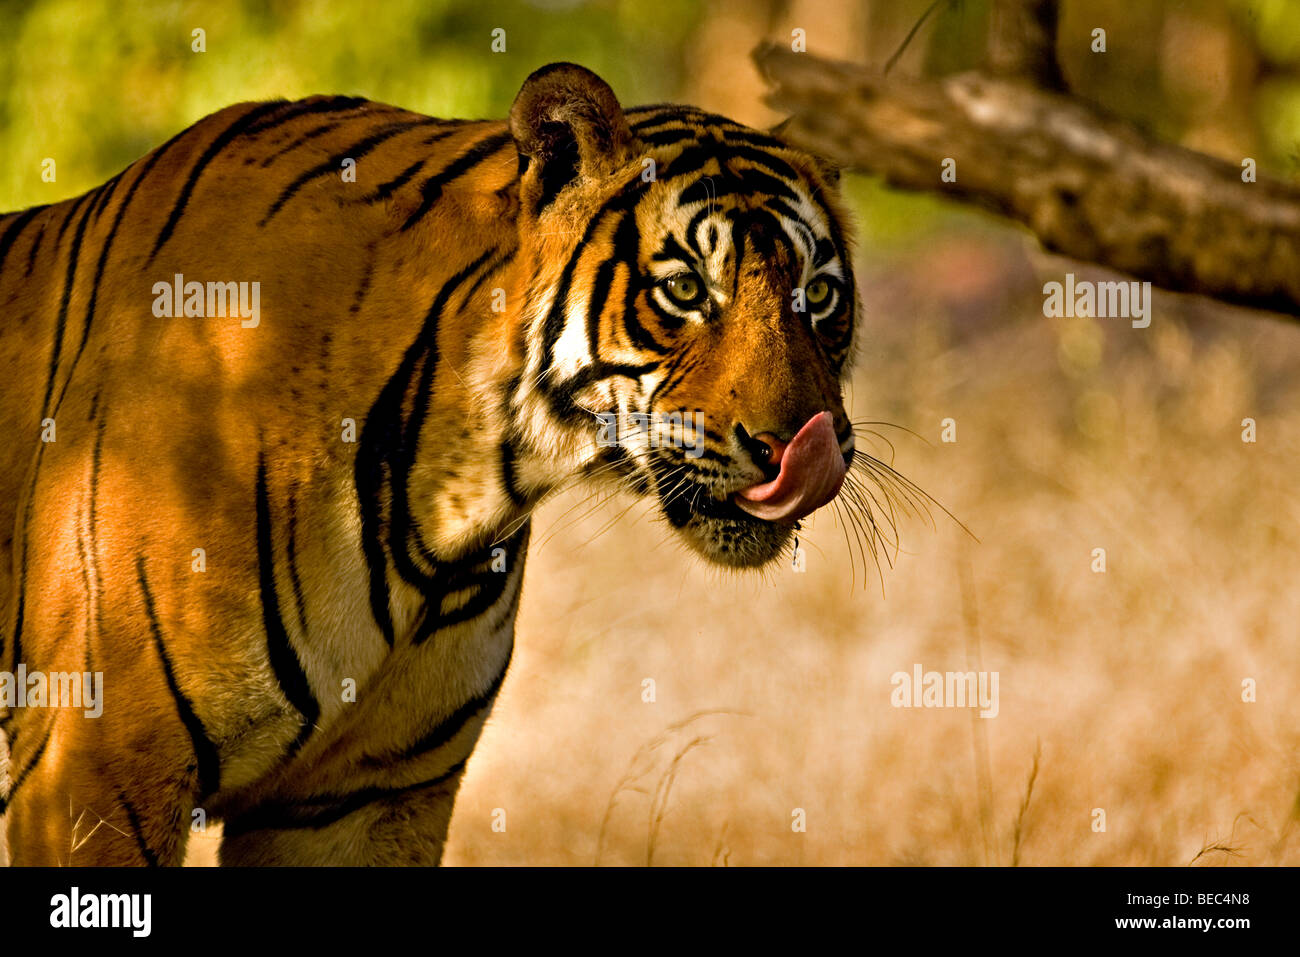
(812, 469)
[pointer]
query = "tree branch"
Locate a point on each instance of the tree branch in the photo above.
(1088, 186)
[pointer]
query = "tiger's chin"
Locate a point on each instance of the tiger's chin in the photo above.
(724, 535)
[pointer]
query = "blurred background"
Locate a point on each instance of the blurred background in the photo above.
(1120, 691)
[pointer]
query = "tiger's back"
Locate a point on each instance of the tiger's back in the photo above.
(285, 392)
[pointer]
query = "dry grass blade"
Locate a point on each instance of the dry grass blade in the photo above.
(1017, 836)
(635, 770)
(660, 803)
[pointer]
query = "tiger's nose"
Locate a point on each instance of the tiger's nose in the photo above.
(765, 448)
(768, 450)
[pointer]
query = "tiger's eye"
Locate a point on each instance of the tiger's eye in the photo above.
(685, 290)
(818, 291)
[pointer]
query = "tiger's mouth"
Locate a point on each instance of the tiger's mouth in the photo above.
(718, 529)
(749, 526)
(696, 501)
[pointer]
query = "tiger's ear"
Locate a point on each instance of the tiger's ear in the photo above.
(829, 169)
(567, 125)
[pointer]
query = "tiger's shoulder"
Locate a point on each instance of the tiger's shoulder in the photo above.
(253, 163)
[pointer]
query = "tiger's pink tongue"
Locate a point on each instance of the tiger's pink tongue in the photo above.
(812, 471)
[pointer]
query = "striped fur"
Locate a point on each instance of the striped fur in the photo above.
(395, 561)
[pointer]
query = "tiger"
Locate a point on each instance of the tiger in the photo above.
(286, 520)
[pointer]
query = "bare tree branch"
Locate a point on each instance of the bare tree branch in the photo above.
(1088, 186)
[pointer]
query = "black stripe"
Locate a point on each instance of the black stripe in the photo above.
(36, 247)
(732, 182)
(92, 547)
(366, 278)
(472, 574)
(558, 316)
(604, 370)
(284, 660)
(759, 157)
(693, 159)
(693, 228)
(669, 136)
(553, 327)
(306, 107)
(837, 238)
(67, 220)
(215, 147)
(824, 252)
(640, 336)
(405, 538)
(69, 280)
(685, 364)
(444, 730)
(669, 369)
(150, 858)
(664, 113)
(323, 810)
(83, 556)
(31, 765)
(331, 166)
(205, 752)
(387, 189)
(386, 452)
(508, 474)
(672, 249)
(754, 138)
(625, 250)
(148, 164)
(782, 208)
(301, 108)
(456, 127)
(431, 189)
(301, 140)
(299, 603)
(14, 230)
(500, 263)
(21, 614)
(104, 195)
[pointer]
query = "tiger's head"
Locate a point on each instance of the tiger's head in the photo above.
(688, 312)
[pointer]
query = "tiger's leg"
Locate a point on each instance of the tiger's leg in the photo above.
(108, 779)
(376, 785)
(348, 800)
(96, 791)
(337, 805)
(369, 827)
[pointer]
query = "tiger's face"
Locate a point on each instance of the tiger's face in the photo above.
(695, 337)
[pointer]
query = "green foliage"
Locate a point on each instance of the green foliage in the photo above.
(1274, 25)
(95, 84)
